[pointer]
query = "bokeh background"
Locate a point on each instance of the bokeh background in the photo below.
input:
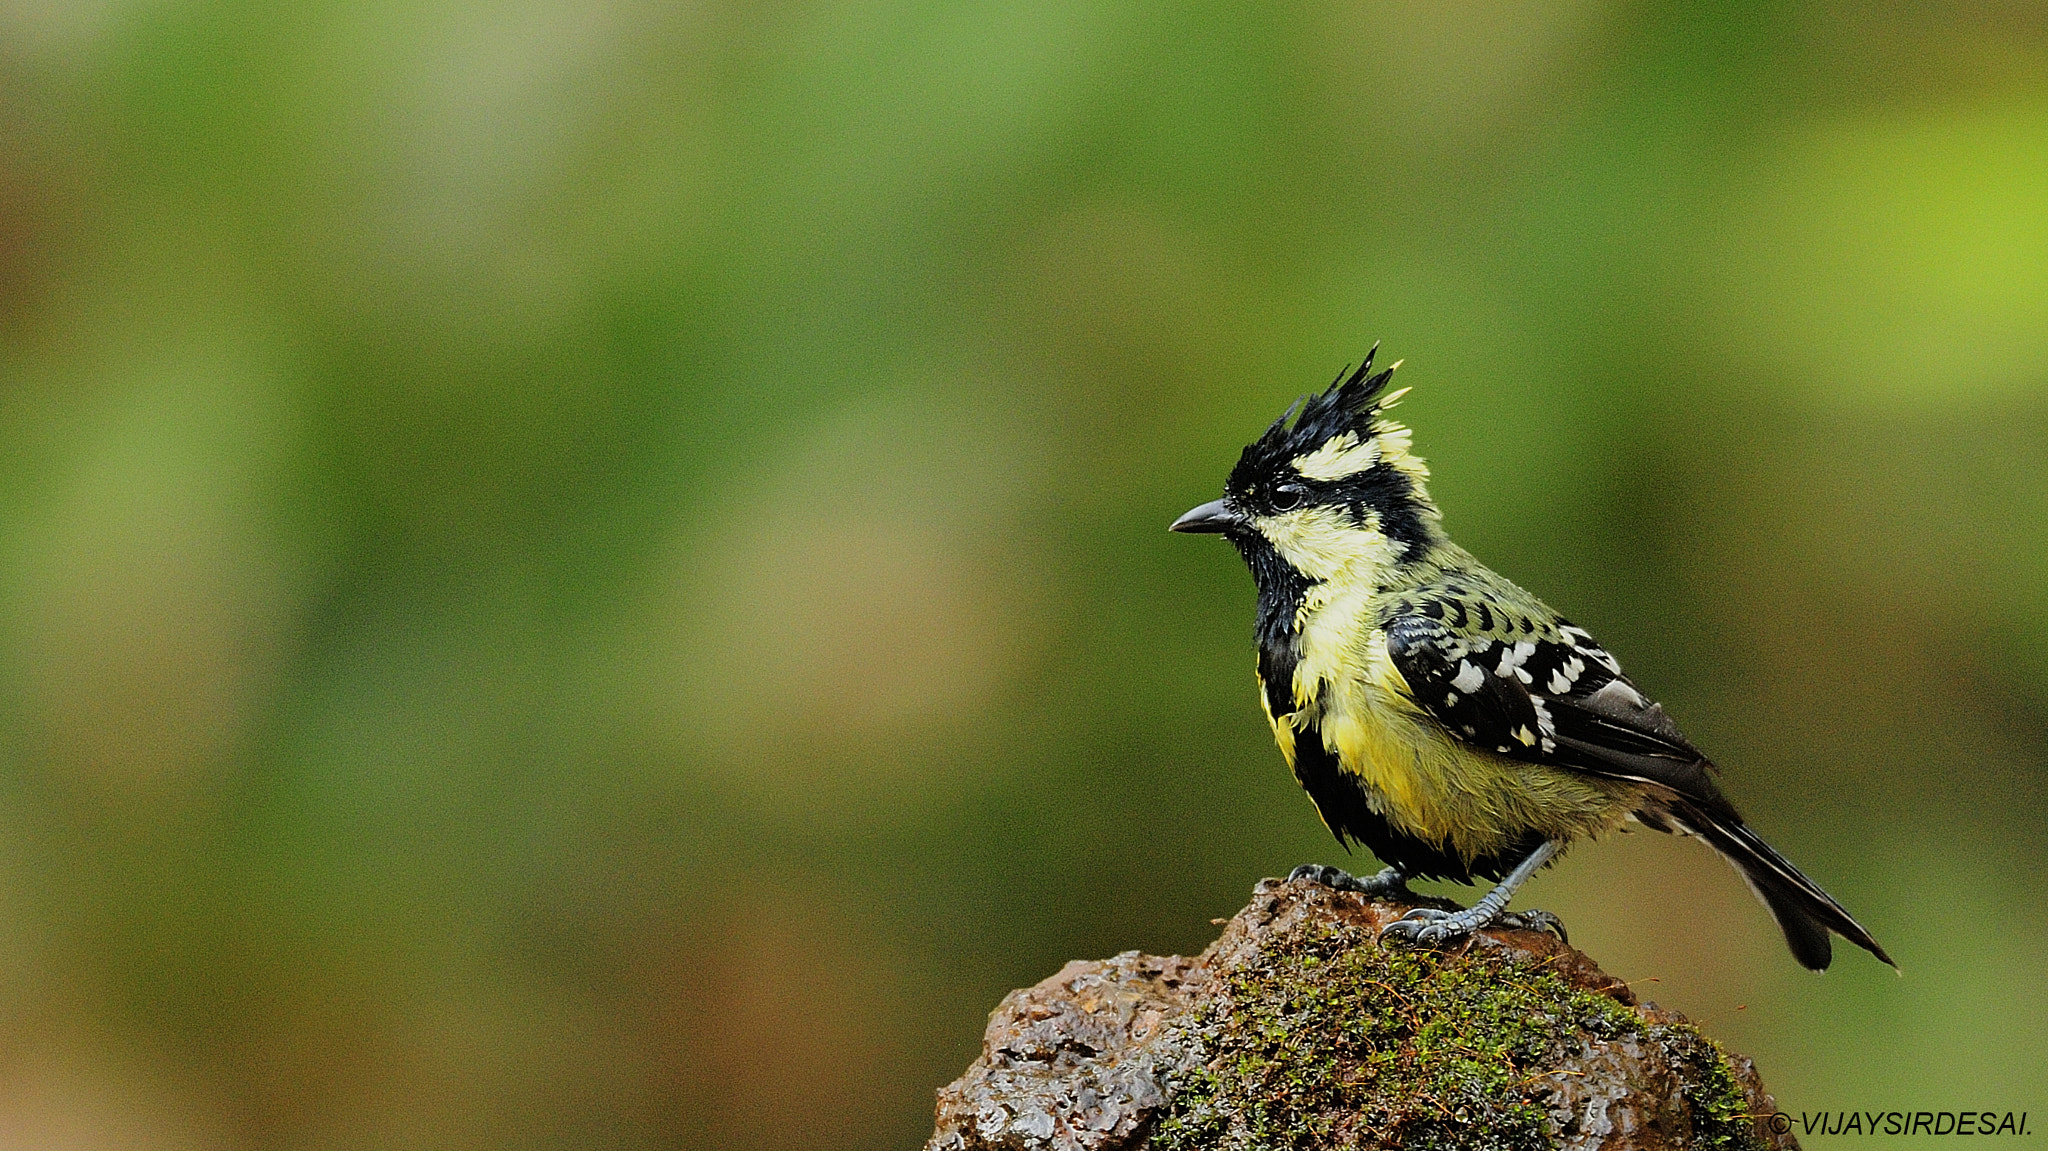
(594, 574)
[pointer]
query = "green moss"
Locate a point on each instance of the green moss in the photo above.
(1720, 1111)
(1334, 1041)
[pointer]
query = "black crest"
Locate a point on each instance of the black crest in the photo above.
(1350, 404)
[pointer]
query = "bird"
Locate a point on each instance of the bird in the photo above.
(1436, 713)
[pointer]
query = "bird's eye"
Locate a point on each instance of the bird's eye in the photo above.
(1286, 499)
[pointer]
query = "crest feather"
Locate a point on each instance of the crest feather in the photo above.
(1351, 404)
(1351, 455)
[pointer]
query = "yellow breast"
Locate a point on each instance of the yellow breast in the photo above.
(1426, 783)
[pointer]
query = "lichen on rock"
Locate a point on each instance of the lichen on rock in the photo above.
(1297, 1029)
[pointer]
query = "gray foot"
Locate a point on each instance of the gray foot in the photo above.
(1389, 882)
(1430, 927)
(1535, 921)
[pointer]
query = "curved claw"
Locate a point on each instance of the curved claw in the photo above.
(1431, 927)
(1386, 883)
(1414, 933)
(1326, 875)
(1543, 921)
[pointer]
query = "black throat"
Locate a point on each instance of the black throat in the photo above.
(1281, 591)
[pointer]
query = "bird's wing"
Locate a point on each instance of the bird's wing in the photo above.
(1564, 704)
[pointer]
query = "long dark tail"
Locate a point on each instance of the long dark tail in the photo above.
(1804, 912)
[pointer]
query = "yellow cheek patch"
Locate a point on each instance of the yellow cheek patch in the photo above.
(1323, 542)
(1340, 456)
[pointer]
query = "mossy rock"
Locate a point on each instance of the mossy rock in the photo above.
(1320, 1037)
(1297, 1029)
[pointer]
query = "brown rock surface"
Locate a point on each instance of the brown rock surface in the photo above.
(1297, 1029)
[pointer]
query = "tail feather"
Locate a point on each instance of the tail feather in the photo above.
(1804, 912)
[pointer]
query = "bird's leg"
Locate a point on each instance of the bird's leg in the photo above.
(1432, 927)
(1390, 882)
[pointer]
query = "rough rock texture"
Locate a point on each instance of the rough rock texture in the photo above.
(1297, 1029)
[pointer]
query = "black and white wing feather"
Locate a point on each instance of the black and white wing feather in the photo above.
(1559, 702)
(1565, 703)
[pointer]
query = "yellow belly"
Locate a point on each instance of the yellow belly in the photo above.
(1427, 783)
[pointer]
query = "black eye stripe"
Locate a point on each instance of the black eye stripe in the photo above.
(1382, 497)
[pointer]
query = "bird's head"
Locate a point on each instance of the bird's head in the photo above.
(1331, 488)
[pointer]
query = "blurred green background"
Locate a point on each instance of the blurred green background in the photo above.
(594, 574)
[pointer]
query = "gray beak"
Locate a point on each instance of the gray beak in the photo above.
(1211, 518)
